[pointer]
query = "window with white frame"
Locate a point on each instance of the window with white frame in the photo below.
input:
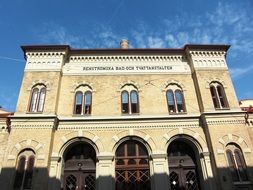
(175, 99)
(83, 100)
(218, 96)
(129, 100)
(37, 100)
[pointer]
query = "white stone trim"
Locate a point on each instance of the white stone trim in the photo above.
(125, 58)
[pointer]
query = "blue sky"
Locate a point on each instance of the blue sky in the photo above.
(145, 23)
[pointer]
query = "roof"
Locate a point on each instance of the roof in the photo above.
(217, 47)
(4, 113)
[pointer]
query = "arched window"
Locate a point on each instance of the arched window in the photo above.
(83, 101)
(24, 170)
(132, 166)
(236, 163)
(175, 99)
(129, 101)
(38, 95)
(218, 96)
(87, 102)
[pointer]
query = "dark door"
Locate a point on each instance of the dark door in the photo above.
(78, 180)
(182, 167)
(80, 167)
(183, 179)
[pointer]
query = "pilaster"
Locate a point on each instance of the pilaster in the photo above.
(104, 172)
(160, 172)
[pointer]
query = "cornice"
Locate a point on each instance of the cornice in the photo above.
(124, 118)
(207, 53)
(42, 55)
(78, 126)
(126, 58)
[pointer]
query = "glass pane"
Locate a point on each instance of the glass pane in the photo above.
(88, 98)
(134, 97)
(232, 166)
(120, 150)
(120, 162)
(134, 102)
(221, 96)
(19, 173)
(142, 150)
(42, 99)
(34, 99)
(170, 101)
(131, 149)
(143, 161)
(241, 167)
(124, 99)
(78, 103)
(214, 97)
(79, 97)
(134, 108)
(29, 173)
(87, 107)
(179, 99)
(131, 162)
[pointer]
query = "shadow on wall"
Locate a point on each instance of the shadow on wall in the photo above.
(41, 181)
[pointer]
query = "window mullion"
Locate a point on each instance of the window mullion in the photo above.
(236, 167)
(24, 174)
(82, 104)
(175, 102)
(37, 101)
(217, 97)
(129, 103)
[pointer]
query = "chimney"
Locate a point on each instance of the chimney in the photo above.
(124, 44)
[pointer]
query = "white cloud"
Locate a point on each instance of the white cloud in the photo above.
(155, 42)
(239, 72)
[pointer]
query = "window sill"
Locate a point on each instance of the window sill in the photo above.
(129, 114)
(177, 113)
(81, 115)
(34, 112)
(220, 109)
(242, 183)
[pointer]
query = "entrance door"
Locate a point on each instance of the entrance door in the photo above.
(183, 179)
(182, 167)
(80, 167)
(78, 180)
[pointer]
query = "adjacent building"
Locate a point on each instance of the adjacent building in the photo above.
(127, 119)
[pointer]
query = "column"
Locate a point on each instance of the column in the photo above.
(160, 172)
(207, 171)
(105, 172)
(54, 182)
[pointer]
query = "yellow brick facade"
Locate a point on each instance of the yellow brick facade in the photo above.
(51, 133)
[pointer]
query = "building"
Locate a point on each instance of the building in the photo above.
(122, 119)
(246, 105)
(4, 129)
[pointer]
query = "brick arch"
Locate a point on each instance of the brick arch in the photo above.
(82, 134)
(232, 138)
(210, 80)
(129, 82)
(87, 83)
(176, 82)
(198, 138)
(44, 82)
(132, 133)
(36, 146)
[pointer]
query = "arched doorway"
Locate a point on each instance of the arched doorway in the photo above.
(80, 167)
(182, 166)
(132, 166)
